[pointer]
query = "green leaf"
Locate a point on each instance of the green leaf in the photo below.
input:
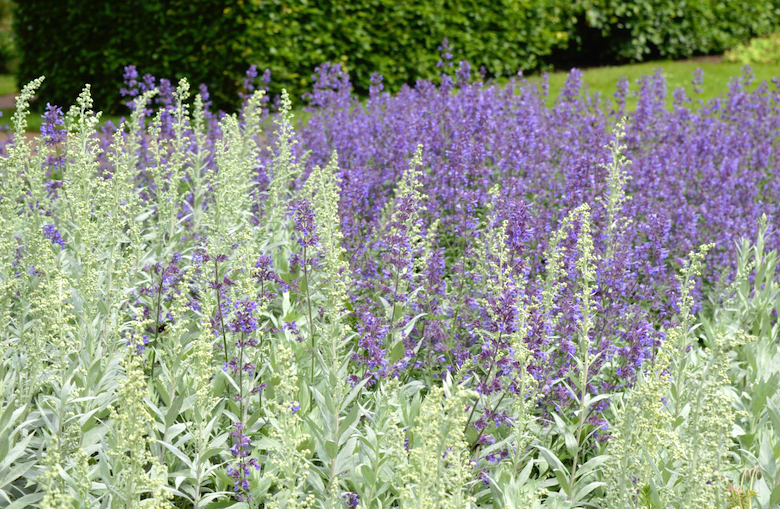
(27, 500)
(560, 471)
(331, 449)
(408, 329)
(582, 493)
(592, 464)
(183, 457)
(774, 498)
(397, 352)
(173, 411)
(367, 474)
(571, 442)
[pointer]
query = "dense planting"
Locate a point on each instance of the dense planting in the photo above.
(449, 297)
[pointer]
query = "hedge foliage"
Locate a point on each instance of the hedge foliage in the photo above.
(8, 57)
(214, 41)
(73, 42)
(400, 40)
(633, 30)
(761, 50)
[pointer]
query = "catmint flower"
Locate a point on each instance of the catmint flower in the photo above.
(53, 234)
(204, 93)
(241, 470)
(249, 82)
(295, 407)
(292, 327)
(264, 270)
(130, 77)
(244, 320)
(352, 498)
(305, 225)
(249, 368)
(231, 365)
(376, 86)
(486, 440)
(446, 56)
(463, 73)
(52, 119)
(138, 346)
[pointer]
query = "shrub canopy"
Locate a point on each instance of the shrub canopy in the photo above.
(73, 42)
(215, 41)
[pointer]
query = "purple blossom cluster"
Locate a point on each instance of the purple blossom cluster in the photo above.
(52, 127)
(153, 299)
(447, 274)
(241, 470)
(698, 174)
(699, 171)
(51, 232)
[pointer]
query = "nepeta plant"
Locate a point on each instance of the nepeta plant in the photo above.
(451, 297)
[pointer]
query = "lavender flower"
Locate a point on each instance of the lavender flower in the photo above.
(352, 499)
(241, 470)
(53, 234)
(305, 226)
(52, 120)
(244, 320)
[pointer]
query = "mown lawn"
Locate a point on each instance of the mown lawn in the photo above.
(8, 84)
(603, 80)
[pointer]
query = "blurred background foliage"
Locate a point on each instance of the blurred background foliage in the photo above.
(608, 31)
(761, 50)
(74, 42)
(9, 58)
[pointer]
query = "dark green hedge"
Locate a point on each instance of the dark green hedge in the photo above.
(399, 39)
(73, 42)
(8, 57)
(214, 41)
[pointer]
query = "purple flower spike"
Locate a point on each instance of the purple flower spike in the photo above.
(303, 218)
(53, 234)
(353, 500)
(52, 119)
(241, 470)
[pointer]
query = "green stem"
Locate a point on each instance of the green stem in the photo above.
(157, 323)
(580, 424)
(219, 309)
(309, 317)
(484, 380)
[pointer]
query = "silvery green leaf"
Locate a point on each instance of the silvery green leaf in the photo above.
(183, 457)
(766, 457)
(409, 326)
(26, 501)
